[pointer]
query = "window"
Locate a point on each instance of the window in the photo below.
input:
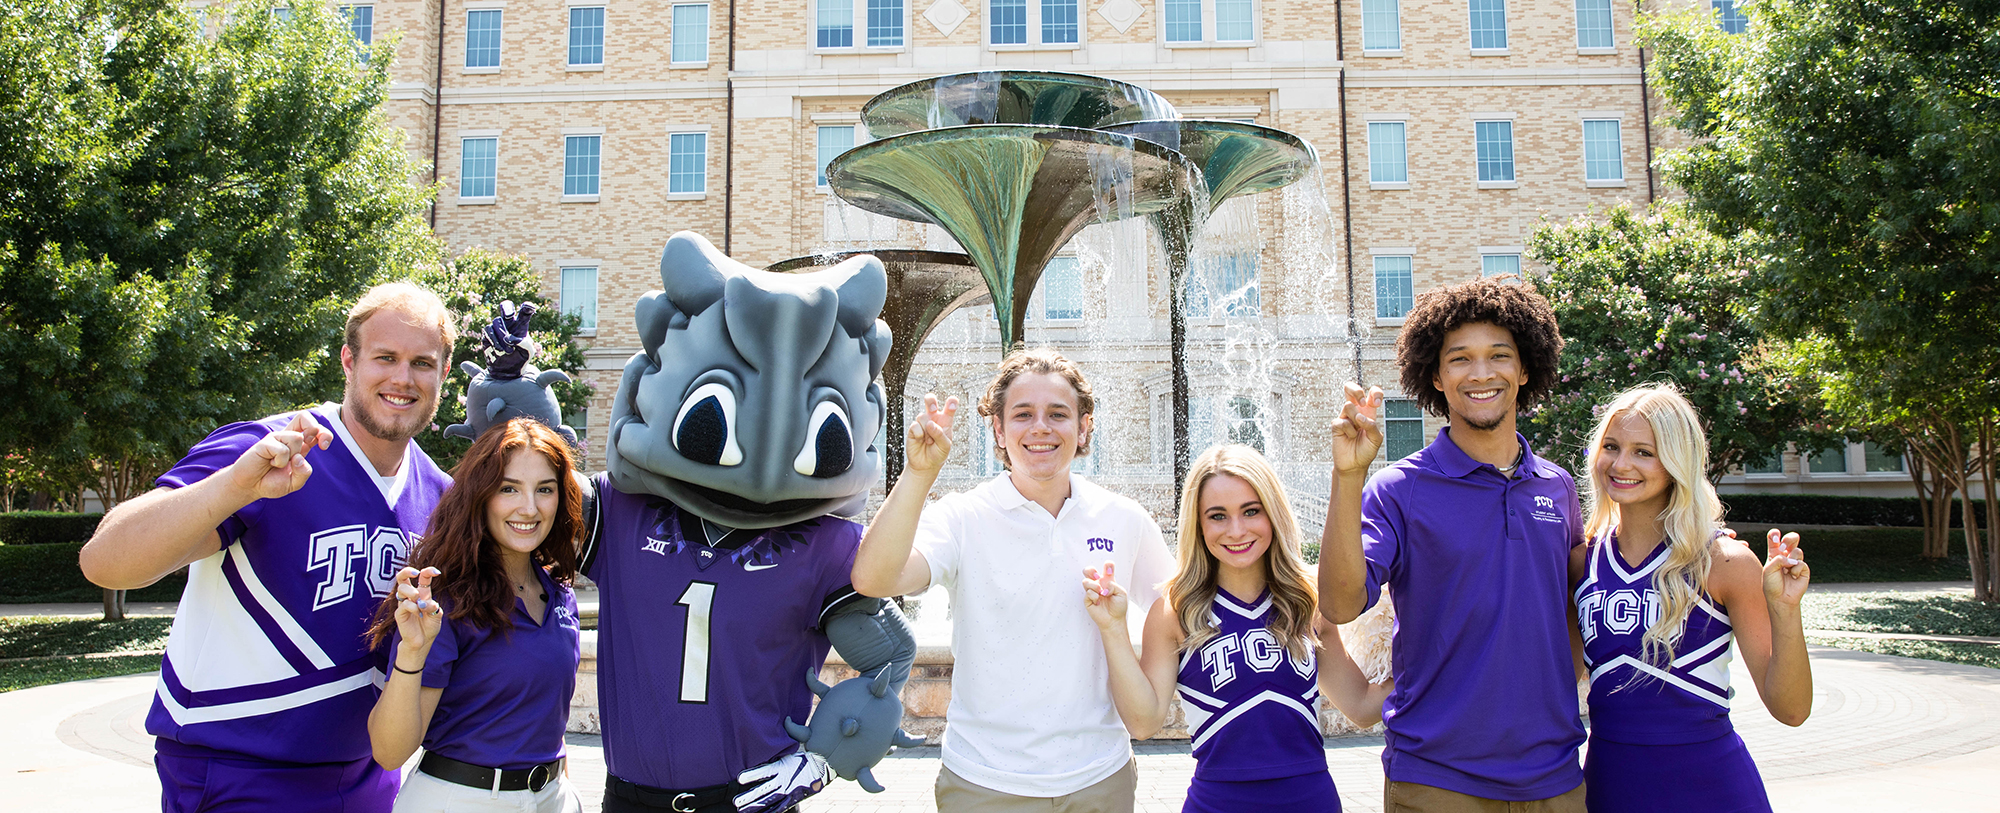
(1829, 461)
(833, 140)
(690, 34)
(1058, 21)
(885, 23)
(580, 154)
(1232, 21)
(1225, 286)
(586, 36)
(1054, 22)
(1602, 159)
(1731, 19)
(1489, 25)
(1183, 20)
(1186, 21)
(1874, 459)
(579, 296)
(1381, 26)
(1388, 159)
(687, 163)
(478, 163)
(1493, 265)
(1393, 292)
(833, 26)
(1494, 141)
(1010, 22)
(1771, 462)
(482, 38)
(1062, 289)
(579, 421)
(1402, 428)
(1593, 24)
(361, 23)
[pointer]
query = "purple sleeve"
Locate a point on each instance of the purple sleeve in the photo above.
(214, 453)
(1381, 532)
(1575, 516)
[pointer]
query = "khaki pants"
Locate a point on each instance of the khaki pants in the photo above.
(1410, 797)
(1115, 794)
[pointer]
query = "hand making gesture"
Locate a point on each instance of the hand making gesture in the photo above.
(1786, 573)
(1357, 431)
(1103, 598)
(276, 466)
(418, 617)
(929, 438)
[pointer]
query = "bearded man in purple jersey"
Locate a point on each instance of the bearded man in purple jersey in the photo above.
(267, 681)
(1473, 534)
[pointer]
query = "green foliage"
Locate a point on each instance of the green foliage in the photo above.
(1869, 555)
(46, 574)
(183, 223)
(1834, 509)
(40, 636)
(1657, 298)
(473, 286)
(29, 674)
(46, 527)
(1919, 613)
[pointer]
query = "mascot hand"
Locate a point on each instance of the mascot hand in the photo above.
(781, 783)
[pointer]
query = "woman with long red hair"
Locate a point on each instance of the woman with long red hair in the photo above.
(482, 633)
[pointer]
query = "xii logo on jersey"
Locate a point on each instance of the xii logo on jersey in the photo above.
(380, 552)
(658, 546)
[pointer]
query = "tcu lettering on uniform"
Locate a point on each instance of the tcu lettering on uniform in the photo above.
(382, 552)
(1545, 502)
(1620, 611)
(1261, 651)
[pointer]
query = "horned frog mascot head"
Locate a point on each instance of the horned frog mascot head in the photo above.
(754, 404)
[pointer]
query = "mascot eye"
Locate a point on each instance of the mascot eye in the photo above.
(705, 429)
(829, 450)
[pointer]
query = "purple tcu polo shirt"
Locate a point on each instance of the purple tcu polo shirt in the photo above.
(1485, 699)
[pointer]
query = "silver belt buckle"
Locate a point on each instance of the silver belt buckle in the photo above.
(677, 803)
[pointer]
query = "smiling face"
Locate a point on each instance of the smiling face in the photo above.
(1629, 470)
(1234, 525)
(1039, 426)
(1480, 374)
(518, 515)
(394, 378)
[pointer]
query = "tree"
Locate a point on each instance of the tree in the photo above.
(473, 286)
(1652, 298)
(1857, 145)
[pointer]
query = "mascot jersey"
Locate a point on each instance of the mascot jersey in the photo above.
(268, 654)
(1249, 702)
(703, 649)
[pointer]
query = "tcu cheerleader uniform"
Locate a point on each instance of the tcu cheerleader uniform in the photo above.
(1250, 707)
(1660, 737)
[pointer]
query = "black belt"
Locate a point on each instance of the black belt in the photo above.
(474, 776)
(711, 799)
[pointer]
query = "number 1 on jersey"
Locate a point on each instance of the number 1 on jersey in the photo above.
(699, 598)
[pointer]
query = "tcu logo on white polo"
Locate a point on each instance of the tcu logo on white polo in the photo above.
(1620, 611)
(382, 552)
(1259, 648)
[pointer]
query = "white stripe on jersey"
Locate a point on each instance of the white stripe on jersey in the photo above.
(298, 635)
(251, 708)
(1664, 675)
(211, 620)
(1262, 697)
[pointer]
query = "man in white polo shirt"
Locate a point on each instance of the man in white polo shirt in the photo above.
(1031, 723)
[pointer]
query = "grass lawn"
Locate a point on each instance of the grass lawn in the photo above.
(1925, 614)
(56, 647)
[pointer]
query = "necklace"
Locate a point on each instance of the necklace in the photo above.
(1508, 470)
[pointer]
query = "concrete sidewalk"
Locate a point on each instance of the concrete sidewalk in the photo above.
(1886, 733)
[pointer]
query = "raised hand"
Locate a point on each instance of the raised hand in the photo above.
(1357, 431)
(1106, 602)
(929, 441)
(1786, 574)
(276, 466)
(418, 616)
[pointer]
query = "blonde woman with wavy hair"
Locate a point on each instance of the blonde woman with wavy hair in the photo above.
(1661, 590)
(1236, 635)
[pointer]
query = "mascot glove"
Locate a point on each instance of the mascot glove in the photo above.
(781, 783)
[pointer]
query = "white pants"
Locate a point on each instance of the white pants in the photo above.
(424, 793)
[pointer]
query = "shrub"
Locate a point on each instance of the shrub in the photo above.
(46, 527)
(1825, 509)
(36, 574)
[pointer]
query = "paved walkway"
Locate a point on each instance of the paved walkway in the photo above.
(1886, 733)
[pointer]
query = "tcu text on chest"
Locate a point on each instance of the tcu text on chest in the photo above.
(1620, 611)
(1261, 652)
(380, 551)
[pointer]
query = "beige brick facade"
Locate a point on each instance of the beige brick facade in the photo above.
(1304, 60)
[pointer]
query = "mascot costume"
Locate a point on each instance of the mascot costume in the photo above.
(739, 436)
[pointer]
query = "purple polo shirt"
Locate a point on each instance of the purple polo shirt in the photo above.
(1485, 698)
(506, 696)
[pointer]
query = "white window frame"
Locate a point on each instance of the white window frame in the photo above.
(859, 21)
(1506, 31)
(819, 166)
(1397, 8)
(707, 33)
(1208, 28)
(1389, 421)
(1373, 119)
(563, 267)
(604, 36)
(1502, 251)
(1611, 10)
(706, 155)
(1735, 12)
(500, 33)
(1583, 129)
(1034, 42)
(1513, 155)
(347, 12)
(1376, 256)
(476, 135)
(1038, 305)
(603, 151)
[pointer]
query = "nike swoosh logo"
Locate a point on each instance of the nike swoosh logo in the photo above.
(750, 567)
